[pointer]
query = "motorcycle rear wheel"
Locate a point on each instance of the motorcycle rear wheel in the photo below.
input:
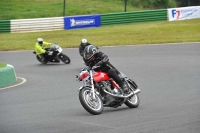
(93, 106)
(64, 58)
(133, 101)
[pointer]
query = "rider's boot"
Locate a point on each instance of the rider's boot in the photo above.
(123, 87)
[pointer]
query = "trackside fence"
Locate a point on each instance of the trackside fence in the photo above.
(61, 23)
(134, 17)
(36, 25)
(57, 23)
(4, 26)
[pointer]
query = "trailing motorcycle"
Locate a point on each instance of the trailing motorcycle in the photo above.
(54, 55)
(99, 91)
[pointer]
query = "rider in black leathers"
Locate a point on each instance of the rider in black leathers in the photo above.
(93, 57)
(84, 43)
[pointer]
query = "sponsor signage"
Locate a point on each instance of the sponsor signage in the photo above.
(183, 13)
(74, 22)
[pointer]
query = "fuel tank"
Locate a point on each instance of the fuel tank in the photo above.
(100, 76)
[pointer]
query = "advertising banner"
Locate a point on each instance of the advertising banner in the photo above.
(183, 13)
(74, 22)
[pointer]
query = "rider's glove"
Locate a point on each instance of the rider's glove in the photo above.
(105, 59)
(99, 63)
(95, 67)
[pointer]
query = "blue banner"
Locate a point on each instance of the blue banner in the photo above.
(74, 22)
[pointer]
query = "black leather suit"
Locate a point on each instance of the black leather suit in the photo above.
(105, 66)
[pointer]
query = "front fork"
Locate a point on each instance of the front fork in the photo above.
(92, 84)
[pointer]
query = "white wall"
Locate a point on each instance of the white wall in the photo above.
(37, 24)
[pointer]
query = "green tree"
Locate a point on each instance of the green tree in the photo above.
(183, 3)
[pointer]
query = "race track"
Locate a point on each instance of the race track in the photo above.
(168, 76)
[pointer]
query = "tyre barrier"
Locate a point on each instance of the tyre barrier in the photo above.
(7, 76)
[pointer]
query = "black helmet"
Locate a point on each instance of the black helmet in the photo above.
(40, 41)
(89, 52)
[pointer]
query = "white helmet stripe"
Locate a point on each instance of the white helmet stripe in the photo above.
(88, 48)
(94, 50)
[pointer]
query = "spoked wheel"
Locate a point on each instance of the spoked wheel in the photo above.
(64, 58)
(93, 106)
(134, 101)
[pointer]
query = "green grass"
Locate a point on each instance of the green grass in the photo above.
(2, 65)
(131, 34)
(127, 34)
(21, 9)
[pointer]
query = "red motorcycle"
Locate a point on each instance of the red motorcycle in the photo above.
(99, 91)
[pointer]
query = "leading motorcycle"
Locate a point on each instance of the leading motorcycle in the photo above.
(99, 91)
(54, 55)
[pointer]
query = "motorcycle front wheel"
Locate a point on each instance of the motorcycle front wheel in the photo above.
(64, 58)
(133, 101)
(93, 106)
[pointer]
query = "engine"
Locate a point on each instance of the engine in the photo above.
(107, 99)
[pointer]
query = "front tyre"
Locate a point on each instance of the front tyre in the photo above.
(64, 58)
(133, 101)
(93, 106)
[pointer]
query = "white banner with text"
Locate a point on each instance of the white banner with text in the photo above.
(183, 13)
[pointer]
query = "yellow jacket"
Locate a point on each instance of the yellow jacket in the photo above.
(41, 49)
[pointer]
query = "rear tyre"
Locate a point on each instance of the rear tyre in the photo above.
(133, 101)
(93, 106)
(64, 58)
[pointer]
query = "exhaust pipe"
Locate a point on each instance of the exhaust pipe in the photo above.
(122, 96)
(136, 91)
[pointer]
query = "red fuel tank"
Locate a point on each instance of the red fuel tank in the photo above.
(100, 76)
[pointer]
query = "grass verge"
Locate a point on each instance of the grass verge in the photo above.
(22, 9)
(131, 34)
(2, 65)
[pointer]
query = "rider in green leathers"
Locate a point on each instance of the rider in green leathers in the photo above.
(40, 48)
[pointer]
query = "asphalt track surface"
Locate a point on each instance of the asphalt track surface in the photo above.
(168, 76)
